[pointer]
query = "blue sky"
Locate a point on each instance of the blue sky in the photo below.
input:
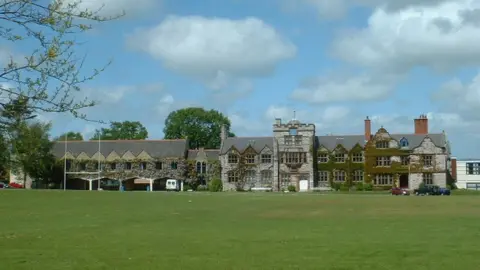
(334, 62)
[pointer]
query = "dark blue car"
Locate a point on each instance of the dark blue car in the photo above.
(444, 191)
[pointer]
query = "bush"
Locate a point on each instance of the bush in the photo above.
(359, 186)
(202, 188)
(187, 187)
(368, 187)
(292, 188)
(336, 186)
(344, 187)
(215, 185)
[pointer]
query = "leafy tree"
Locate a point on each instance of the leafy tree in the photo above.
(32, 151)
(202, 127)
(49, 76)
(71, 136)
(126, 130)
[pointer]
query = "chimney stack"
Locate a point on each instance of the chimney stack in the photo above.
(223, 133)
(278, 121)
(453, 167)
(368, 129)
(421, 125)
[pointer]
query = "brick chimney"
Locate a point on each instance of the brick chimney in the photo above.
(223, 133)
(453, 167)
(368, 129)
(421, 125)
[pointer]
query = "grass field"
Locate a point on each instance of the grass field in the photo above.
(140, 230)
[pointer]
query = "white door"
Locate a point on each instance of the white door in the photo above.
(303, 185)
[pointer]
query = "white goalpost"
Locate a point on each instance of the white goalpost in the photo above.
(65, 172)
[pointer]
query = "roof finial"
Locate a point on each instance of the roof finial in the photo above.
(294, 115)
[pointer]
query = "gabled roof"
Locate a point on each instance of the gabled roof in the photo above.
(155, 148)
(242, 143)
(211, 154)
(414, 140)
(347, 141)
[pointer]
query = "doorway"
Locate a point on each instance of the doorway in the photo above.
(403, 181)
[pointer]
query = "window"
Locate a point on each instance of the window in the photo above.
(174, 165)
(96, 167)
(288, 140)
(293, 132)
(403, 142)
(68, 165)
(204, 167)
(232, 158)
(323, 158)
(199, 167)
(158, 165)
(113, 166)
(428, 178)
(266, 158)
(405, 160)
(82, 166)
(293, 157)
(266, 178)
(357, 157)
(428, 160)
(382, 144)
(232, 176)
(339, 176)
(250, 176)
(473, 168)
(473, 186)
(323, 176)
(340, 158)
(383, 161)
(143, 165)
(285, 178)
(358, 176)
(298, 140)
(383, 180)
(128, 166)
(250, 159)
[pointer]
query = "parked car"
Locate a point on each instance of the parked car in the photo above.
(445, 192)
(15, 185)
(400, 191)
(3, 185)
(427, 190)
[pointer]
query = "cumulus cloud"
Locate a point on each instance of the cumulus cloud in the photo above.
(325, 89)
(441, 36)
(214, 49)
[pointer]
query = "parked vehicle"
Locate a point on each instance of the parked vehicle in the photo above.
(445, 192)
(428, 190)
(400, 191)
(173, 185)
(3, 185)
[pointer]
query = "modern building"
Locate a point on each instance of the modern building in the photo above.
(295, 156)
(468, 174)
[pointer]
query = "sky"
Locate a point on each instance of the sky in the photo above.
(332, 62)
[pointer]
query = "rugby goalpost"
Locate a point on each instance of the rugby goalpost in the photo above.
(80, 173)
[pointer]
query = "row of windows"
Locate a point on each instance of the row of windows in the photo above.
(384, 161)
(340, 158)
(387, 179)
(293, 139)
(340, 176)
(127, 166)
(385, 144)
(293, 157)
(473, 168)
(250, 159)
(266, 176)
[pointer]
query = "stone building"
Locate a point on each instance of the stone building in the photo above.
(295, 156)
(132, 163)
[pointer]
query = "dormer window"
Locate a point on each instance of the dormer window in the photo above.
(403, 142)
(382, 144)
(232, 158)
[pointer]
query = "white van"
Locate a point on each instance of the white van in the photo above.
(173, 185)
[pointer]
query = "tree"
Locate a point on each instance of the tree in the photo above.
(47, 78)
(125, 130)
(202, 127)
(70, 136)
(32, 152)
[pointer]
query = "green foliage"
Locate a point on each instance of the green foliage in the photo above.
(336, 186)
(187, 187)
(201, 127)
(48, 75)
(368, 187)
(32, 151)
(126, 130)
(359, 186)
(71, 136)
(344, 187)
(348, 166)
(291, 188)
(215, 185)
(202, 188)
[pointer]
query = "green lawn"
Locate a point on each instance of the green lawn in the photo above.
(50, 230)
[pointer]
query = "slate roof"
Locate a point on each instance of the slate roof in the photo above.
(349, 141)
(211, 153)
(155, 148)
(241, 143)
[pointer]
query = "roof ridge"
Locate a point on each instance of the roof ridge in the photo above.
(96, 141)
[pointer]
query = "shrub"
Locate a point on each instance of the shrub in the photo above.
(215, 185)
(292, 188)
(359, 186)
(187, 187)
(368, 187)
(336, 186)
(344, 187)
(202, 188)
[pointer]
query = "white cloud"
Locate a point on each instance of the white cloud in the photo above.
(441, 36)
(214, 49)
(337, 89)
(110, 8)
